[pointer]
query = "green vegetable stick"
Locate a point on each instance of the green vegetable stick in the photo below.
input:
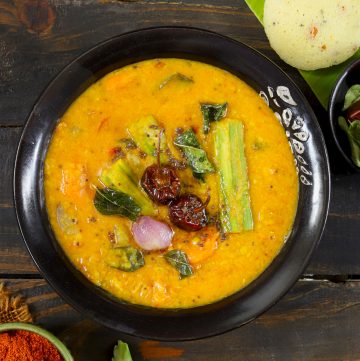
(235, 209)
(241, 184)
(221, 153)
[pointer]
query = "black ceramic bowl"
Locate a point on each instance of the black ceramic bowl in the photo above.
(304, 136)
(349, 77)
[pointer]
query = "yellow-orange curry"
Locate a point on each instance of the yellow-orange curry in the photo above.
(89, 139)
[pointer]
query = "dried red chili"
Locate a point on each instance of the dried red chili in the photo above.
(161, 182)
(188, 212)
(20, 345)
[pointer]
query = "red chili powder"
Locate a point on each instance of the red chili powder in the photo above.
(22, 345)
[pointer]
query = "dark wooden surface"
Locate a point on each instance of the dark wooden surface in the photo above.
(317, 320)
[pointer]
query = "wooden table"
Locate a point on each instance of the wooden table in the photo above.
(317, 320)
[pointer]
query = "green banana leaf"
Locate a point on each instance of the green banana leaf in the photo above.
(321, 81)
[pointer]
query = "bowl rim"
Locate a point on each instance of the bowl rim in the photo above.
(291, 276)
(333, 117)
(60, 346)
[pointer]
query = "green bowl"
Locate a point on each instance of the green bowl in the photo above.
(65, 353)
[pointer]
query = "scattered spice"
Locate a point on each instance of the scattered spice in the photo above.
(129, 143)
(102, 123)
(112, 237)
(313, 32)
(116, 153)
(20, 345)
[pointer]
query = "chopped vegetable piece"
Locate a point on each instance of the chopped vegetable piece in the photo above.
(195, 156)
(235, 209)
(112, 202)
(121, 177)
(127, 259)
(188, 212)
(202, 246)
(66, 222)
(179, 260)
(353, 134)
(145, 132)
(122, 235)
(177, 77)
(212, 113)
(352, 96)
(121, 352)
(151, 234)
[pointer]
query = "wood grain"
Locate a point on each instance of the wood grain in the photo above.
(315, 321)
(14, 257)
(9, 138)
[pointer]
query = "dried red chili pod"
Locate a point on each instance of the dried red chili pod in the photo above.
(188, 212)
(161, 182)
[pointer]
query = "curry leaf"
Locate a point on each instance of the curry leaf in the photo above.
(195, 156)
(353, 133)
(176, 77)
(187, 138)
(178, 259)
(111, 202)
(127, 259)
(121, 352)
(212, 113)
(352, 96)
(197, 159)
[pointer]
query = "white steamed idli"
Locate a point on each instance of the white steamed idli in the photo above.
(312, 34)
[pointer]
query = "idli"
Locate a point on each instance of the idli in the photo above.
(312, 34)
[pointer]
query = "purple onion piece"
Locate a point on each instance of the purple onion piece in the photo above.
(150, 234)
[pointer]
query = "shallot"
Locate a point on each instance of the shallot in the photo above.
(150, 234)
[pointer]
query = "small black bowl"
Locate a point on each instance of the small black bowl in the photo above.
(349, 77)
(304, 135)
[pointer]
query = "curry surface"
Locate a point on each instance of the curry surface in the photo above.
(81, 148)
